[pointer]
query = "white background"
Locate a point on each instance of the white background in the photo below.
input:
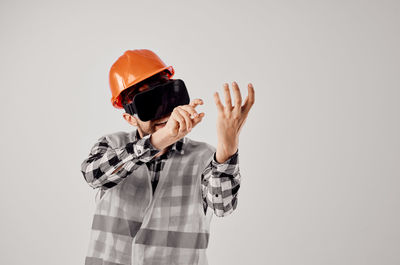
(319, 153)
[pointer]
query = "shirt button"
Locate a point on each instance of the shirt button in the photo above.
(138, 151)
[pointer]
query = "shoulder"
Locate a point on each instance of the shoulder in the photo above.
(120, 138)
(199, 147)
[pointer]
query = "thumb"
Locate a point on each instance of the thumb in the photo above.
(198, 119)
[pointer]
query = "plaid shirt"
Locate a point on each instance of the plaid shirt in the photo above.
(106, 167)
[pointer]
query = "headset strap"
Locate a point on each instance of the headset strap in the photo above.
(129, 108)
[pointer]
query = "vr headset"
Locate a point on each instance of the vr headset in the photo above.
(158, 100)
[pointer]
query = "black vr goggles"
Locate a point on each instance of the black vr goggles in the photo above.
(158, 100)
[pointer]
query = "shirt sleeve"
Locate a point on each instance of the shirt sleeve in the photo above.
(106, 166)
(220, 185)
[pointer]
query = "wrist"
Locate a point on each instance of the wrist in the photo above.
(224, 152)
(161, 139)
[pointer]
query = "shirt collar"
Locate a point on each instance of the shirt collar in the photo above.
(175, 147)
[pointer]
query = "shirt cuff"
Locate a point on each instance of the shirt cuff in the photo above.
(230, 166)
(144, 150)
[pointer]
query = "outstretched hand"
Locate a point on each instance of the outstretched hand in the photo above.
(231, 120)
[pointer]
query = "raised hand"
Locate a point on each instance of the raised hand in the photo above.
(231, 120)
(181, 122)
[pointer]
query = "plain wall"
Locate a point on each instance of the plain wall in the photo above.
(319, 153)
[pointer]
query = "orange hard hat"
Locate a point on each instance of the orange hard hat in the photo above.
(133, 67)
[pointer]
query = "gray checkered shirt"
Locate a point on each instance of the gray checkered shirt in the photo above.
(104, 169)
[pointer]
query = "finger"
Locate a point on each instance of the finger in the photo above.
(186, 116)
(195, 102)
(198, 119)
(190, 109)
(238, 96)
(179, 118)
(227, 94)
(249, 99)
(217, 100)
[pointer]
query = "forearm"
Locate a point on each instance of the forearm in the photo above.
(220, 185)
(106, 166)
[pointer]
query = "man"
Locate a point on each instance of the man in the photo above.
(157, 187)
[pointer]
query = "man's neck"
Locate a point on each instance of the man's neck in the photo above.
(162, 152)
